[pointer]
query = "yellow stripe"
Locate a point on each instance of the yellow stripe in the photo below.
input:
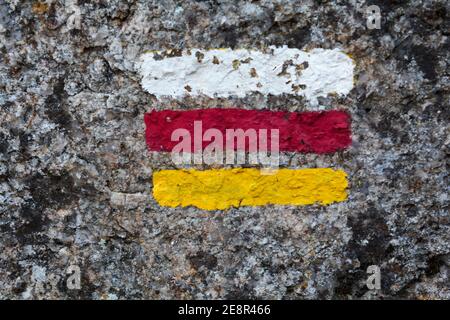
(224, 188)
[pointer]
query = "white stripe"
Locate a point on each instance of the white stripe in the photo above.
(242, 71)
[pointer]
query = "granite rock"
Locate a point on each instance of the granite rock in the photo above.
(75, 173)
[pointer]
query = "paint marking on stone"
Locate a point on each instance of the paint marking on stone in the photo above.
(318, 132)
(220, 189)
(227, 72)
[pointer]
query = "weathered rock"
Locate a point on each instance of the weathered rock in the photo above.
(74, 167)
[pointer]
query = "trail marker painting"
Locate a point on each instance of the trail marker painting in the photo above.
(318, 132)
(219, 189)
(227, 72)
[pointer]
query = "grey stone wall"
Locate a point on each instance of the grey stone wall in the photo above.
(75, 176)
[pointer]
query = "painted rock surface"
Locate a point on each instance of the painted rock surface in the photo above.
(93, 205)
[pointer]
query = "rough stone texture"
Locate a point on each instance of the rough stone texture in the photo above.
(75, 176)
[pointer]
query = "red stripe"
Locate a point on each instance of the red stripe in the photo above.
(318, 132)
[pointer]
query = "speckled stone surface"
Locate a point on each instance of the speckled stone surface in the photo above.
(75, 174)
